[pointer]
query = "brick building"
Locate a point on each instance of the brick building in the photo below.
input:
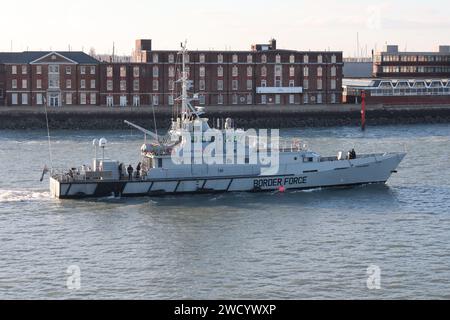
(55, 78)
(263, 75)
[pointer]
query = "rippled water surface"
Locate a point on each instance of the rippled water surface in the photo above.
(293, 245)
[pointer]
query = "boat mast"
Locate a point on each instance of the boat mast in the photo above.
(184, 81)
(186, 107)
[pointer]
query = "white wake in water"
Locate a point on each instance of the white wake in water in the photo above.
(14, 195)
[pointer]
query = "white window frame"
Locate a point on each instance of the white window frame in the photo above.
(68, 98)
(24, 98)
(93, 98)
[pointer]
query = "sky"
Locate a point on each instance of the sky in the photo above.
(216, 24)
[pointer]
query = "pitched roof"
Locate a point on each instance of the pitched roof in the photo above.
(29, 56)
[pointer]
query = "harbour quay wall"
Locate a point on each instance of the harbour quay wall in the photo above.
(271, 116)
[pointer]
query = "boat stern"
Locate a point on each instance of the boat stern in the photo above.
(55, 187)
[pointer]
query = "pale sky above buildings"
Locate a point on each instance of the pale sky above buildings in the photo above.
(416, 25)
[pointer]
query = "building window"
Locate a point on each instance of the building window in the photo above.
(171, 71)
(38, 69)
(291, 83)
(220, 99)
(136, 72)
(333, 84)
(136, 101)
(235, 98)
(83, 70)
(263, 71)
(291, 58)
(333, 58)
(24, 69)
(291, 99)
(92, 70)
(109, 101)
(319, 98)
(291, 71)
(14, 98)
(123, 101)
(305, 83)
(155, 100)
(305, 59)
(305, 71)
(202, 58)
(249, 71)
(220, 58)
(68, 70)
(235, 58)
(234, 71)
(39, 99)
(83, 84)
(278, 70)
(186, 58)
(93, 98)
(38, 84)
(171, 85)
(109, 85)
(109, 71)
(14, 70)
(123, 71)
(278, 83)
(201, 99)
(24, 98)
(155, 58)
(135, 85)
(234, 85)
(277, 99)
(277, 58)
(263, 58)
(263, 83)
(170, 100)
(220, 85)
(155, 85)
(249, 58)
(83, 98)
(319, 84)
(305, 98)
(220, 71)
(249, 84)
(123, 85)
(263, 99)
(319, 58)
(155, 71)
(24, 84)
(92, 84)
(53, 68)
(53, 83)
(249, 99)
(319, 71)
(68, 98)
(333, 98)
(202, 84)
(202, 71)
(171, 58)
(333, 71)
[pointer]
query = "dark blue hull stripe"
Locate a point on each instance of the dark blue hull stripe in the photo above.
(103, 191)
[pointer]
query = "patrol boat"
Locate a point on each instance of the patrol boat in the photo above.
(195, 158)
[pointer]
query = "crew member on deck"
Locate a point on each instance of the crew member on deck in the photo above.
(130, 172)
(138, 170)
(120, 171)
